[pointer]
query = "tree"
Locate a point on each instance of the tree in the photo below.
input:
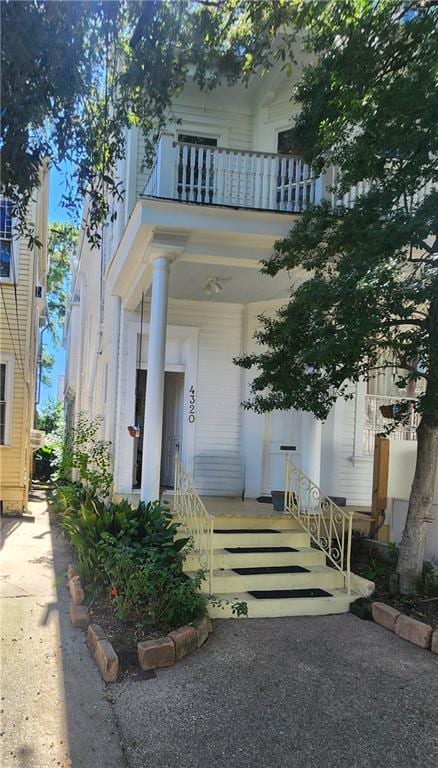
(368, 105)
(75, 75)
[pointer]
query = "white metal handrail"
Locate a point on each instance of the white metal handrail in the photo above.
(328, 526)
(198, 523)
(376, 424)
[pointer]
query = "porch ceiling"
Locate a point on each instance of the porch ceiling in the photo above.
(208, 242)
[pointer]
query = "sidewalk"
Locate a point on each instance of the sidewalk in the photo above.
(54, 706)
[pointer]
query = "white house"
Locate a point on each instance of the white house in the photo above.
(157, 316)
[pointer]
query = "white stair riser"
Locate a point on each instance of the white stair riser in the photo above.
(303, 606)
(231, 582)
(282, 522)
(305, 557)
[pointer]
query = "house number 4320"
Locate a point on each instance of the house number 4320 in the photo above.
(192, 401)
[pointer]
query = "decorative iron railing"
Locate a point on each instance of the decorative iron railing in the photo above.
(328, 526)
(376, 424)
(193, 515)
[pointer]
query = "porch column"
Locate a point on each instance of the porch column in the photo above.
(153, 417)
(311, 437)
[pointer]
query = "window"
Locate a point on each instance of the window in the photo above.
(6, 369)
(5, 239)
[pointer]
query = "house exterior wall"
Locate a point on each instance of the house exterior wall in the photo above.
(19, 345)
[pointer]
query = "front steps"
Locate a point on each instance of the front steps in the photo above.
(295, 575)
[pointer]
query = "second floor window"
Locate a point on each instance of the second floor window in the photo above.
(5, 239)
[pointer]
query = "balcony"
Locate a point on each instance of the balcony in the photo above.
(377, 424)
(205, 175)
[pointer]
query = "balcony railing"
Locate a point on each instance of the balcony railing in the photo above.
(194, 173)
(377, 424)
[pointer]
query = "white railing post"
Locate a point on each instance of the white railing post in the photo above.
(166, 164)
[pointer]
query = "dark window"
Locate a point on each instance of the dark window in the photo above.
(5, 238)
(284, 143)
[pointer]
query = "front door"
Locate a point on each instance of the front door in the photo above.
(282, 437)
(172, 425)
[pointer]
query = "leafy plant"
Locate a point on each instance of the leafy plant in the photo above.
(392, 550)
(430, 579)
(85, 451)
(153, 590)
(374, 570)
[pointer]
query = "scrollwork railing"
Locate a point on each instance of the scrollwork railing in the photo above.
(190, 509)
(328, 526)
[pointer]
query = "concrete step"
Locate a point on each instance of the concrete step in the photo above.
(274, 520)
(337, 602)
(316, 577)
(304, 556)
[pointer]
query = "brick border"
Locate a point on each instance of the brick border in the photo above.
(416, 632)
(151, 654)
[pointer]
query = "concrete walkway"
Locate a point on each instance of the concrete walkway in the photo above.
(311, 692)
(54, 706)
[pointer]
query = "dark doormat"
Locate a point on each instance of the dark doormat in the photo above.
(267, 569)
(245, 530)
(242, 550)
(272, 594)
(264, 499)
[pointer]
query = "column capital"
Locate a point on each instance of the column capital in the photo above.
(168, 245)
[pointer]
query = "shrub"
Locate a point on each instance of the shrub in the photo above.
(84, 451)
(151, 588)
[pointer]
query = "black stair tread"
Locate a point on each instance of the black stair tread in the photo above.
(273, 594)
(261, 550)
(267, 569)
(245, 530)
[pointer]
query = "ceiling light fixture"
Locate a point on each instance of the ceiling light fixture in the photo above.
(212, 286)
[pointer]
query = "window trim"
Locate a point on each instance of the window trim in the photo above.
(15, 249)
(8, 360)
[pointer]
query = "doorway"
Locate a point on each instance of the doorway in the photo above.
(172, 425)
(282, 437)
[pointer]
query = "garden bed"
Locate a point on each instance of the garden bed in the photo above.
(367, 563)
(123, 635)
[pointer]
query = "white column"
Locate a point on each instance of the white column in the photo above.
(311, 435)
(153, 418)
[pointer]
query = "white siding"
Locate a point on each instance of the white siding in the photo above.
(354, 474)
(218, 420)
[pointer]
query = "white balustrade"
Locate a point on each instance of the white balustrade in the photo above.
(376, 424)
(206, 175)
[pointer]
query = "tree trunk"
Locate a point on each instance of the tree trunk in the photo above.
(410, 562)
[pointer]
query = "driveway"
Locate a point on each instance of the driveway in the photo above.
(311, 692)
(330, 691)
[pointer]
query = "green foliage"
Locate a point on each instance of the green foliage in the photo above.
(393, 553)
(62, 242)
(86, 452)
(367, 103)
(50, 418)
(430, 579)
(152, 587)
(375, 569)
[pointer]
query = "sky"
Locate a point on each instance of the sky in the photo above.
(56, 213)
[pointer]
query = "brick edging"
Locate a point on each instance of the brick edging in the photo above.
(151, 654)
(406, 627)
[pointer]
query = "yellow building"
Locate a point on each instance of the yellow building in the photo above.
(23, 278)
